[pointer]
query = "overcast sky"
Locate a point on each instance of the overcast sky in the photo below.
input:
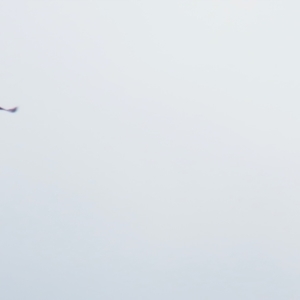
(155, 154)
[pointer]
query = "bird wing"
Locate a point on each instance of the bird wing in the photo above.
(14, 109)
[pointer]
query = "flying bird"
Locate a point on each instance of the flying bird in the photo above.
(12, 110)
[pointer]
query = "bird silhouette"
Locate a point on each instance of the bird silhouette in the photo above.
(12, 110)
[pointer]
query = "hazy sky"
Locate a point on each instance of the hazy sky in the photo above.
(155, 154)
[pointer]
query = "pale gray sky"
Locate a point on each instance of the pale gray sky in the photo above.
(155, 154)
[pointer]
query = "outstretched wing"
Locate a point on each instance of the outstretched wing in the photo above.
(14, 109)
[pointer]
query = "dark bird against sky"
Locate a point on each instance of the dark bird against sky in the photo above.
(14, 109)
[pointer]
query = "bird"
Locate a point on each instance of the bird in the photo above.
(12, 110)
